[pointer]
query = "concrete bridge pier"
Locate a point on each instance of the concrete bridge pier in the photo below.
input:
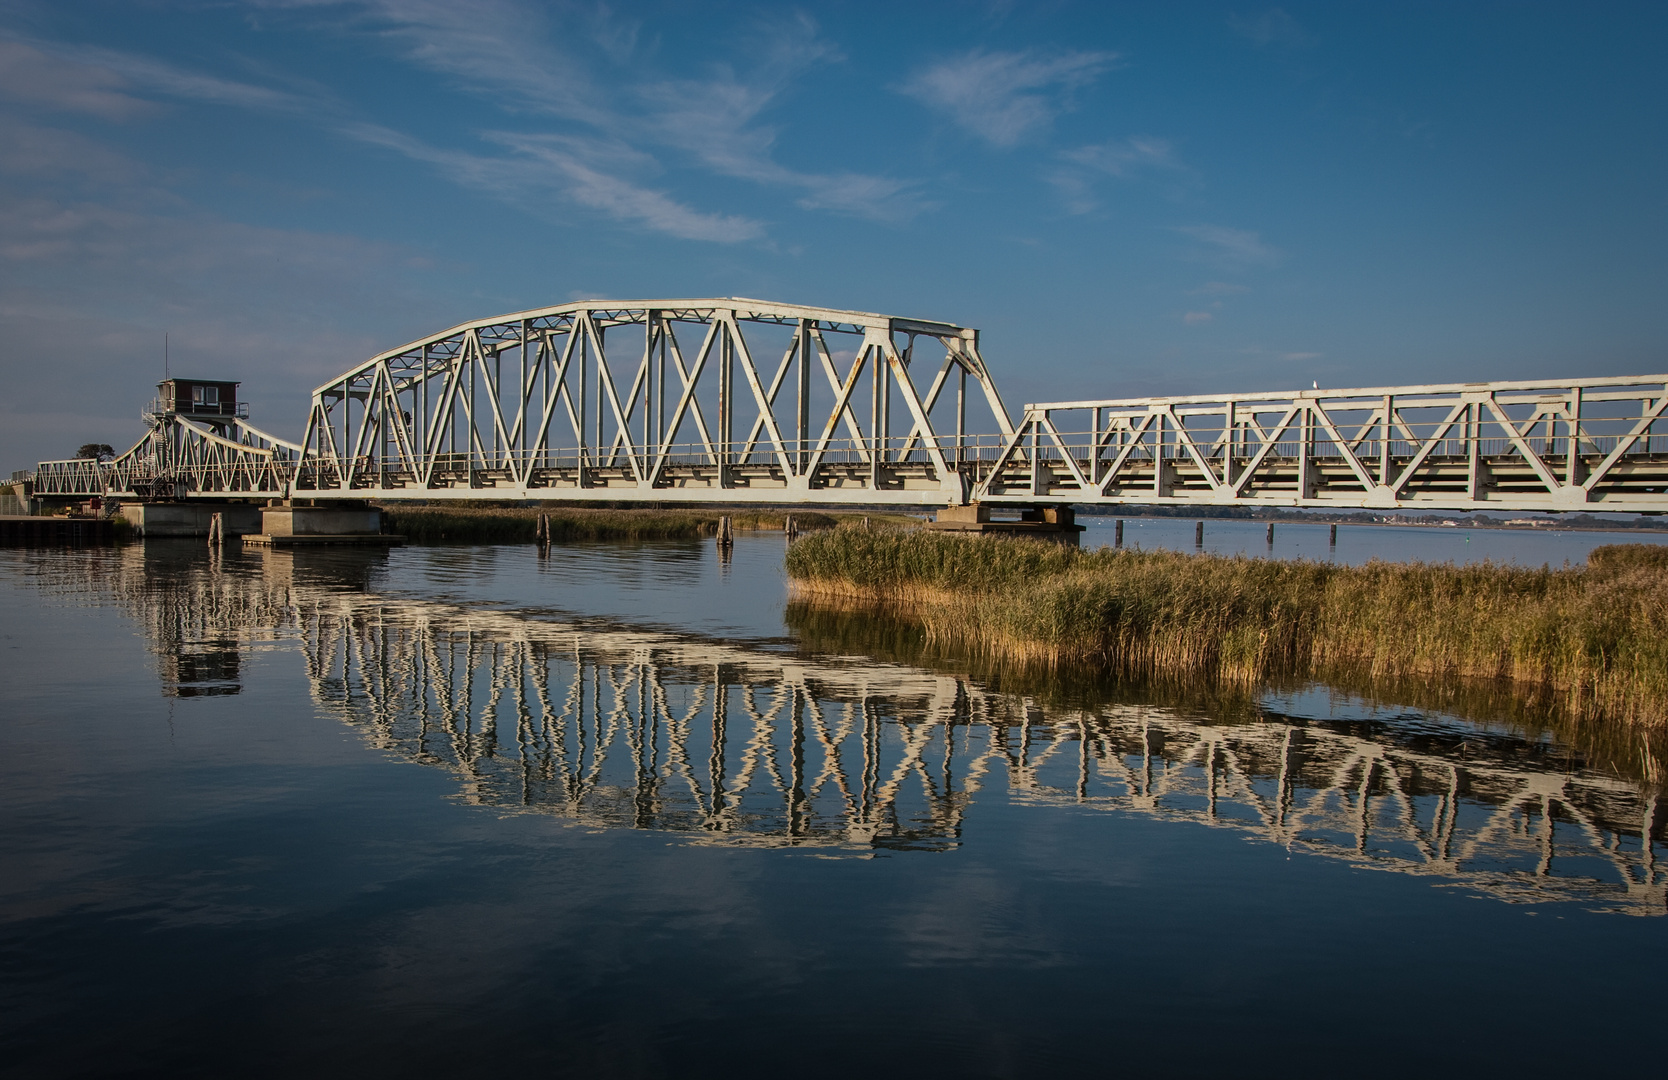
(291, 525)
(160, 520)
(1051, 519)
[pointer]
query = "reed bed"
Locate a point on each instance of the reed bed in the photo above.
(1595, 639)
(519, 524)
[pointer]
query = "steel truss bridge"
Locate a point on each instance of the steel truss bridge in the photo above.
(719, 743)
(744, 401)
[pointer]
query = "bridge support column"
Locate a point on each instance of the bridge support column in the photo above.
(1054, 521)
(159, 520)
(336, 523)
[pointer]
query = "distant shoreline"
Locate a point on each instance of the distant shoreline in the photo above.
(1459, 523)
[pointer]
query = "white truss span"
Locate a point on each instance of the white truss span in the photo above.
(1586, 444)
(734, 400)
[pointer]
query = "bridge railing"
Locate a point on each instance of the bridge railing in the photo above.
(973, 454)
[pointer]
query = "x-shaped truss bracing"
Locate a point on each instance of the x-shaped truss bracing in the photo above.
(1599, 444)
(671, 400)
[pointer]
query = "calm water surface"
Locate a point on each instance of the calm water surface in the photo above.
(1359, 543)
(465, 810)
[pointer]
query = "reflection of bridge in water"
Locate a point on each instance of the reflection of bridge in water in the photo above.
(615, 727)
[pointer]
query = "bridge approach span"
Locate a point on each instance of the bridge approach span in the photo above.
(745, 401)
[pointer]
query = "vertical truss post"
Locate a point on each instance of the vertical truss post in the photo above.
(877, 426)
(961, 413)
(582, 344)
(649, 384)
(883, 371)
(662, 436)
(596, 334)
(1473, 448)
(1384, 441)
(1229, 422)
(1094, 446)
(802, 400)
(726, 401)
(1036, 455)
(1305, 451)
(1572, 464)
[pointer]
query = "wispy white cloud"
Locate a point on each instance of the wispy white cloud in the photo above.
(717, 122)
(1115, 158)
(532, 64)
(500, 48)
(487, 47)
(1234, 248)
(1272, 27)
(118, 85)
(1005, 97)
(1123, 157)
(585, 180)
(29, 75)
(39, 151)
(1193, 317)
(1220, 288)
(503, 50)
(542, 170)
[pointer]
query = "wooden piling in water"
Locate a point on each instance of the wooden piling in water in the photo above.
(1271, 534)
(1198, 534)
(1118, 534)
(1333, 539)
(725, 536)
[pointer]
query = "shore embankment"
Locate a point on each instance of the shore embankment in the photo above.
(473, 524)
(1595, 637)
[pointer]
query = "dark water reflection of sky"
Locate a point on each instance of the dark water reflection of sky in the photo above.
(462, 810)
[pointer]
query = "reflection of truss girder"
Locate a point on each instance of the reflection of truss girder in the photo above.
(625, 728)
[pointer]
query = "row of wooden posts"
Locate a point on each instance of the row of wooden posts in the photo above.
(727, 536)
(1199, 534)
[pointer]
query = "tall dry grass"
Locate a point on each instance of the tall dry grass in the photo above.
(1594, 638)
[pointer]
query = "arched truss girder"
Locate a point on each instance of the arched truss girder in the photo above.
(552, 404)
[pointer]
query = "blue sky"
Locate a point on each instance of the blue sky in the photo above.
(1126, 199)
